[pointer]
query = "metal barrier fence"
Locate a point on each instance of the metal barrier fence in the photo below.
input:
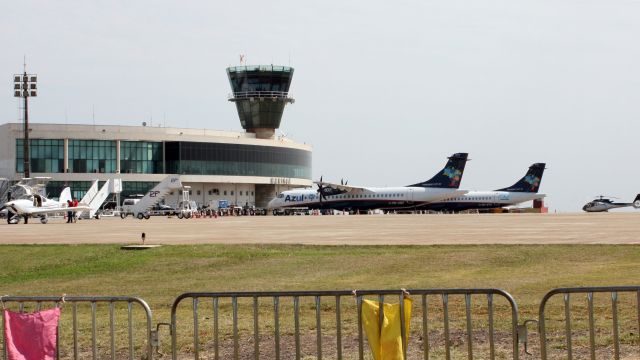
(296, 324)
(39, 301)
(568, 326)
(337, 305)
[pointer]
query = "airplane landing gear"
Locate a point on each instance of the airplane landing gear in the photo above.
(44, 219)
(12, 218)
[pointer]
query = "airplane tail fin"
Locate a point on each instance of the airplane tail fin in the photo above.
(530, 182)
(65, 195)
(636, 202)
(450, 176)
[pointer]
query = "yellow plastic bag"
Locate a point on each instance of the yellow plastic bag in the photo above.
(386, 340)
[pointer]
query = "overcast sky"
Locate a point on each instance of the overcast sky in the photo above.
(385, 90)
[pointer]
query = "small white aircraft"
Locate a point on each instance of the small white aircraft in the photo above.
(32, 204)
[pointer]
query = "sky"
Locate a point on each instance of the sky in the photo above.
(385, 90)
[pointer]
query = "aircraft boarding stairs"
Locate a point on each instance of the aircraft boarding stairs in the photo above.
(94, 199)
(155, 195)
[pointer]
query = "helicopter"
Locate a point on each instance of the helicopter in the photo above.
(602, 203)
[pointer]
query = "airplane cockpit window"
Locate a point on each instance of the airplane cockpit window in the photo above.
(37, 201)
(280, 196)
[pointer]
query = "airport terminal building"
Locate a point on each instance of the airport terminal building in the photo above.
(242, 167)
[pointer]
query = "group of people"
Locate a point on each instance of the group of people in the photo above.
(71, 215)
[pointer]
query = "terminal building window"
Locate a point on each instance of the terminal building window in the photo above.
(141, 157)
(136, 188)
(234, 159)
(78, 188)
(92, 156)
(46, 155)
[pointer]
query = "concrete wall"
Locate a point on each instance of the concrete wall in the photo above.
(144, 133)
(8, 151)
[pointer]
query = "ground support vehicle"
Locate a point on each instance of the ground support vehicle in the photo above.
(186, 209)
(291, 211)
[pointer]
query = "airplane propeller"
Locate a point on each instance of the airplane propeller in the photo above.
(320, 190)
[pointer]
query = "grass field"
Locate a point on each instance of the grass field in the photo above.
(160, 275)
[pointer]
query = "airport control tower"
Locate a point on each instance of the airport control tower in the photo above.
(260, 93)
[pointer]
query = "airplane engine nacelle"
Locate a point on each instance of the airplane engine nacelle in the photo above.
(636, 204)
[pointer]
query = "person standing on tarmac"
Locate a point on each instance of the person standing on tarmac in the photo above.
(75, 204)
(69, 213)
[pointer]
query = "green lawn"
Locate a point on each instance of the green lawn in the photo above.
(160, 274)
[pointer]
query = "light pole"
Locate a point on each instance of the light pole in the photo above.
(24, 86)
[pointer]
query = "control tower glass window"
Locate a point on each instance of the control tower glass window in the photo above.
(260, 94)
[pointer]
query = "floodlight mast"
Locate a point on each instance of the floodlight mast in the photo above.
(27, 156)
(24, 87)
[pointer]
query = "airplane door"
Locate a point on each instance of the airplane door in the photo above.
(411, 196)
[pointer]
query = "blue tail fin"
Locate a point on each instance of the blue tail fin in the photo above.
(450, 176)
(530, 182)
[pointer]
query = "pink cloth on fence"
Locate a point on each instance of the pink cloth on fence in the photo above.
(31, 336)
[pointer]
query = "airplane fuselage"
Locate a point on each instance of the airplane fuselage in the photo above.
(27, 206)
(482, 200)
(363, 199)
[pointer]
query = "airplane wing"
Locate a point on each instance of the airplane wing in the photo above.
(43, 211)
(340, 187)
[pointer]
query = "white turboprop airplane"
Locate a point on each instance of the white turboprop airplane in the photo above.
(526, 189)
(32, 204)
(346, 197)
